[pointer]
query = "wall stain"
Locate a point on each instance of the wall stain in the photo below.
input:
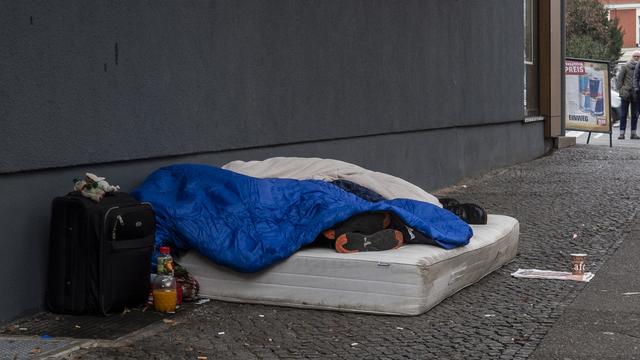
(105, 67)
(31, 20)
(116, 53)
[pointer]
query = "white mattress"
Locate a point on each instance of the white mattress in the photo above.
(406, 281)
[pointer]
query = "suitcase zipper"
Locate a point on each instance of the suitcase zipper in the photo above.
(115, 226)
(106, 217)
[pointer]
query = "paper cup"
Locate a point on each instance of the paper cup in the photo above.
(578, 263)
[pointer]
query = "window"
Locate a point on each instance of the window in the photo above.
(528, 32)
(638, 30)
(531, 102)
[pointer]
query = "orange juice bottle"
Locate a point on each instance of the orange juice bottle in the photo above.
(164, 293)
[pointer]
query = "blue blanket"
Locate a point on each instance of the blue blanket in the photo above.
(249, 224)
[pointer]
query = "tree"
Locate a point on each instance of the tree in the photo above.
(590, 34)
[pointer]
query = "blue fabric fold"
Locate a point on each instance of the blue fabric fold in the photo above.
(248, 224)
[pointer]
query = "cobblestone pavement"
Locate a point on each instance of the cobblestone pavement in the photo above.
(591, 191)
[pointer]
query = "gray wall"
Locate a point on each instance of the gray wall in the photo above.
(427, 90)
(200, 76)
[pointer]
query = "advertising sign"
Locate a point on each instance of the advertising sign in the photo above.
(587, 95)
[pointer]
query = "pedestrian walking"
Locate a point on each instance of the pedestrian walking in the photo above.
(628, 83)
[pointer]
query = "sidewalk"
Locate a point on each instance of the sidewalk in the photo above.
(591, 191)
(601, 139)
(604, 321)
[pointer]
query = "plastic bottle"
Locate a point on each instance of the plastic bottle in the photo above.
(164, 284)
(164, 293)
(165, 261)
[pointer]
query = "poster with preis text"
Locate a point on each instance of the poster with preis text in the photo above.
(587, 95)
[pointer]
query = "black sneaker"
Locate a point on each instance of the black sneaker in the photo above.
(447, 202)
(366, 223)
(382, 240)
(470, 213)
(409, 235)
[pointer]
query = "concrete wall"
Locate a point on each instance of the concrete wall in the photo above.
(430, 91)
(181, 77)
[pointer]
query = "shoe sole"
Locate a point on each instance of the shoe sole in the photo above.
(364, 223)
(387, 239)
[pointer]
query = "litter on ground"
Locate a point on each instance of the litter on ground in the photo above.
(550, 274)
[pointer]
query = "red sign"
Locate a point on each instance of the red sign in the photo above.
(574, 67)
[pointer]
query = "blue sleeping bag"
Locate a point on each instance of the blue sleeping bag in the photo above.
(248, 224)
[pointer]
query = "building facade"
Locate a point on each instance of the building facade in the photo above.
(120, 89)
(628, 14)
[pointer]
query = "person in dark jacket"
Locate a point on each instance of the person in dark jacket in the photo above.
(626, 83)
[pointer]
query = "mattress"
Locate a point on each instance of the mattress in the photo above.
(406, 281)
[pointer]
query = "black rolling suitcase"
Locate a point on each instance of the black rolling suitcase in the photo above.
(99, 254)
